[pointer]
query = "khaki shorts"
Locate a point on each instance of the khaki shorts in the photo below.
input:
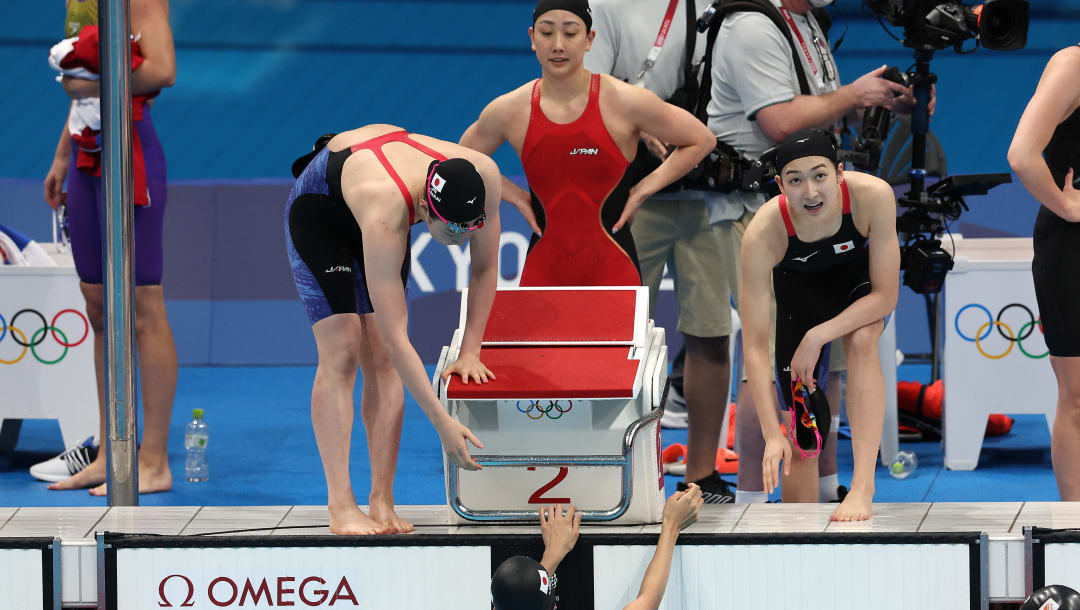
(731, 234)
(677, 232)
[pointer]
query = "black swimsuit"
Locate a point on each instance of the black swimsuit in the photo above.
(813, 283)
(323, 240)
(1057, 250)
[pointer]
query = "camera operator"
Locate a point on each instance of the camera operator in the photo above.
(757, 100)
(674, 228)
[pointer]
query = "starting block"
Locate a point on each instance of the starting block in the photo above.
(573, 416)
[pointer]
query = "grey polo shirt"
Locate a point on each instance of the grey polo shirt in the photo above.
(753, 68)
(625, 33)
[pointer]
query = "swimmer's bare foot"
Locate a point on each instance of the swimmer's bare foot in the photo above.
(92, 475)
(857, 506)
(351, 521)
(383, 512)
(151, 480)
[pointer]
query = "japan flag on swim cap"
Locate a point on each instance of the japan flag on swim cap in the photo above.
(437, 183)
(545, 585)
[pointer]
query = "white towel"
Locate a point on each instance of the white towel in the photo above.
(36, 256)
(85, 112)
(10, 251)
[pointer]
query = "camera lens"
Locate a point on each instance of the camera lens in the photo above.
(1003, 24)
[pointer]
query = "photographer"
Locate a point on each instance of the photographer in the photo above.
(645, 42)
(757, 100)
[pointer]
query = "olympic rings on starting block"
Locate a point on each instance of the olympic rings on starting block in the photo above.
(956, 322)
(1003, 329)
(18, 336)
(553, 405)
(1000, 325)
(33, 345)
(24, 345)
(1021, 345)
(86, 328)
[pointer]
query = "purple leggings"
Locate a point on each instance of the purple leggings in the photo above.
(85, 211)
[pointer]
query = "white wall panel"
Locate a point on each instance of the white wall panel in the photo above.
(1063, 565)
(808, 577)
(20, 579)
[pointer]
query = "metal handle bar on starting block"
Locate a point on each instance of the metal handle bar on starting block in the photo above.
(624, 461)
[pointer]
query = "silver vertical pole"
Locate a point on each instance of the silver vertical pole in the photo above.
(116, 185)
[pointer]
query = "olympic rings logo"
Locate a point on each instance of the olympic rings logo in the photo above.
(553, 406)
(1003, 329)
(36, 338)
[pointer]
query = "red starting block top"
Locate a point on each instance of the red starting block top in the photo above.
(552, 372)
(542, 316)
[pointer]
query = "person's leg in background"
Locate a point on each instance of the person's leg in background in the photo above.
(1065, 439)
(95, 472)
(84, 228)
(156, 354)
(653, 230)
(157, 366)
(751, 447)
(705, 322)
(748, 439)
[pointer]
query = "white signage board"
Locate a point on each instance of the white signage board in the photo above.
(367, 577)
(1062, 564)
(22, 580)
(804, 576)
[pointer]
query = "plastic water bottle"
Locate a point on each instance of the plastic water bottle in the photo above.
(196, 436)
(904, 464)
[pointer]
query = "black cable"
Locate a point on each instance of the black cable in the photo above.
(258, 529)
(868, 8)
(284, 527)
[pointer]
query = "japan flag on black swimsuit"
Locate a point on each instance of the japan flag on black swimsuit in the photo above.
(847, 246)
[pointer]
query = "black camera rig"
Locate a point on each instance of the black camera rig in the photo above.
(726, 170)
(998, 24)
(932, 25)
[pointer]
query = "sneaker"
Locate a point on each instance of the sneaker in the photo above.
(674, 416)
(714, 489)
(67, 463)
(841, 493)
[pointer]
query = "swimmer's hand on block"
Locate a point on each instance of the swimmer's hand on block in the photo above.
(468, 367)
(682, 508)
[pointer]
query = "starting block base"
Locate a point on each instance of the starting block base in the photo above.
(573, 414)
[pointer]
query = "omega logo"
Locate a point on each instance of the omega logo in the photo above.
(275, 591)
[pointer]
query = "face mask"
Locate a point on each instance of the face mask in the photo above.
(820, 3)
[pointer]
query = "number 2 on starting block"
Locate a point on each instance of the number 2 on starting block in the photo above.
(537, 496)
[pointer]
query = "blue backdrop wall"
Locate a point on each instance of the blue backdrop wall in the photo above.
(259, 79)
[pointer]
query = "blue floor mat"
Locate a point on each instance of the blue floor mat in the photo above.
(262, 452)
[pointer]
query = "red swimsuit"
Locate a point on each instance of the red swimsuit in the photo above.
(577, 175)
